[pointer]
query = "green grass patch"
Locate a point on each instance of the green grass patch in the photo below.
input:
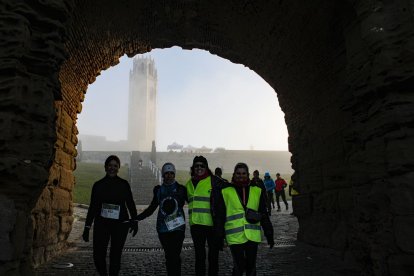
(86, 174)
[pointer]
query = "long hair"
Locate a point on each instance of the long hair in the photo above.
(240, 165)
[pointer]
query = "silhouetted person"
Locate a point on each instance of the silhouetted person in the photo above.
(111, 200)
(242, 213)
(169, 198)
(256, 180)
(293, 192)
(218, 172)
(203, 189)
(280, 191)
(270, 188)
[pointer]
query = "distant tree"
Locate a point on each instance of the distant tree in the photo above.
(204, 149)
(220, 149)
(79, 150)
(174, 147)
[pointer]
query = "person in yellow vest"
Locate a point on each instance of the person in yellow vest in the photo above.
(202, 191)
(292, 192)
(243, 214)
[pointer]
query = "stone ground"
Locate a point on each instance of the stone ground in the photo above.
(143, 256)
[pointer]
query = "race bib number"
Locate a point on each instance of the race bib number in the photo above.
(174, 221)
(110, 211)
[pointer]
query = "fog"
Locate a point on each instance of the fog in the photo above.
(203, 100)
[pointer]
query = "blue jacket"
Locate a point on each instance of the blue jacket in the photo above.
(269, 184)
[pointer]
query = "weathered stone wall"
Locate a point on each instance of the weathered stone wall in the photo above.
(343, 71)
(52, 215)
(31, 51)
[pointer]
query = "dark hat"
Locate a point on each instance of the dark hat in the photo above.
(168, 167)
(200, 159)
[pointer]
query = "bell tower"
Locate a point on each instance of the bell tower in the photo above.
(142, 104)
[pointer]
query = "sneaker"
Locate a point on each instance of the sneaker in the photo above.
(278, 209)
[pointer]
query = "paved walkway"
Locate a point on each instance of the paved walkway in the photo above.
(143, 255)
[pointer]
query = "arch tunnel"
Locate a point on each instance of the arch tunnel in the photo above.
(342, 70)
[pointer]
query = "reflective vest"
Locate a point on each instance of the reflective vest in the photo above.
(292, 191)
(238, 229)
(199, 211)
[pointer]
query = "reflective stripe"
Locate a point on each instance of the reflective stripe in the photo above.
(234, 230)
(190, 199)
(201, 210)
(252, 226)
(202, 198)
(233, 217)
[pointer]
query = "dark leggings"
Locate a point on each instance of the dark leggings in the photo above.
(244, 258)
(201, 234)
(283, 195)
(103, 231)
(172, 243)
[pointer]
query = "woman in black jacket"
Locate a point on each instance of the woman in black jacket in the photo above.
(169, 198)
(111, 199)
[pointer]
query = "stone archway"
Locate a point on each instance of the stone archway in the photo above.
(342, 71)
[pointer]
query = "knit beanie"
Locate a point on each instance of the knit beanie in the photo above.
(200, 159)
(168, 167)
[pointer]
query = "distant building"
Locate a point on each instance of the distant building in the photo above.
(174, 147)
(142, 104)
(99, 143)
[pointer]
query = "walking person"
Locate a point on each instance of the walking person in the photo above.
(270, 189)
(243, 213)
(111, 200)
(257, 181)
(280, 191)
(169, 198)
(203, 189)
(293, 192)
(219, 172)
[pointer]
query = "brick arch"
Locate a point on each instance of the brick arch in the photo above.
(342, 71)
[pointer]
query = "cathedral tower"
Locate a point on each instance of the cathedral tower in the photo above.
(142, 104)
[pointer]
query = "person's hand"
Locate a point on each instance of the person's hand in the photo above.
(85, 235)
(270, 242)
(133, 227)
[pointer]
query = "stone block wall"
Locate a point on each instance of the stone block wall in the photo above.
(52, 215)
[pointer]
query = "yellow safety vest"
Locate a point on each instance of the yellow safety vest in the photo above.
(199, 210)
(238, 229)
(292, 191)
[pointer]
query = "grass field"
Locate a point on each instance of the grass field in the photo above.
(86, 174)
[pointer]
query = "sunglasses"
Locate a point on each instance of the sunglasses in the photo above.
(202, 166)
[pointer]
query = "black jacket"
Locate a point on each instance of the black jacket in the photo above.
(111, 190)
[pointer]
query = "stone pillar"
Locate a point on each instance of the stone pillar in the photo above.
(364, 206)
(31, 51)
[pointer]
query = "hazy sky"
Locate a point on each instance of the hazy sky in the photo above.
(203, 100)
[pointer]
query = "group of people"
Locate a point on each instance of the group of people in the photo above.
(272, 187)
(219, 211)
